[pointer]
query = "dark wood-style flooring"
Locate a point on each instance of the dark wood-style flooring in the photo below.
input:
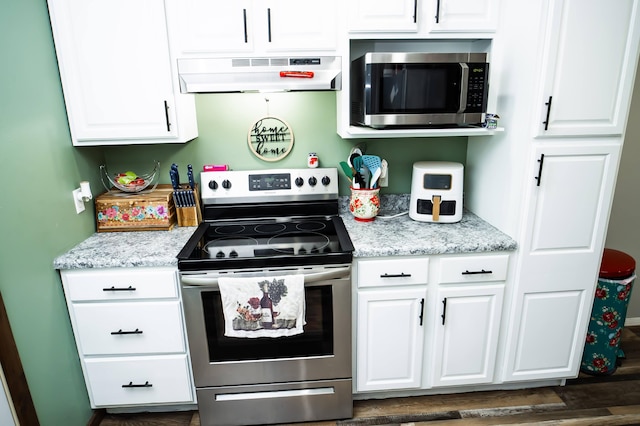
(586, 400)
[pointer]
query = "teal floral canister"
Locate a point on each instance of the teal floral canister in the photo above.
(602, 350)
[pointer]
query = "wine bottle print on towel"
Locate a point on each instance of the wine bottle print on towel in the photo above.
(272, 306)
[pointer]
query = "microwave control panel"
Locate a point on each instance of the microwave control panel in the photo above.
(477, 87)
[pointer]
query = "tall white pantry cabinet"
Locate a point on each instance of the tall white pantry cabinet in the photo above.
(566, 72)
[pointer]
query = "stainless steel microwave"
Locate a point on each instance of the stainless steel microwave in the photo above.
(419, 89)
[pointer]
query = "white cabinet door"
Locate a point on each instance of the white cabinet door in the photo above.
(115, 70)
(297, 25)
(566, 221)
(390, 339)
(466, 338)
(220, 28)
(588, 68)
(463, 15)
(205, 26)
(382, 15)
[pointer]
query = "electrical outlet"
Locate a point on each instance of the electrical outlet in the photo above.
(77, 199)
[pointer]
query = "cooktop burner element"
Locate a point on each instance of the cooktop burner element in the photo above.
(252, 222)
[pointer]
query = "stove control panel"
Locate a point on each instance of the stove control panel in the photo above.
(269, 185)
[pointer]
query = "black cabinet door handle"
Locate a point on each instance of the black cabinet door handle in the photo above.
(539, 177)
(482, 271)
(119, 332)
(415, 11)
(437, 12)
(444, 310)
(269, 23)
(421, 311)
(400, 275)
(546, 121)
(166, 115)
(244, 19)
(142, 385)
(113, 288)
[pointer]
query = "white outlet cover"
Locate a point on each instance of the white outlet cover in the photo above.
(77, 199)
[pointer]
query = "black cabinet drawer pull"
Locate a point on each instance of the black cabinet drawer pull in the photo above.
(112, 288)
(482, 271)
(143, 385)
(400, 275)
(136, 331)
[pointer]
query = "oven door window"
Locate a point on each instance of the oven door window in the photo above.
(317, 339)
(415, 88)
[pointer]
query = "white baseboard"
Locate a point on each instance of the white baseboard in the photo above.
(632, 321)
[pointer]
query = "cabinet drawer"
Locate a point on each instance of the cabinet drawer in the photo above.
(129, 328)
(376, 273)
(139, 380)
(474, 268)
(117, 284)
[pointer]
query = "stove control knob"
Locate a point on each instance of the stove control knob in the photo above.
(313, 181)
(213, 184)
(299, 182)
(233, 254)
(219, 255)
(226, 184)
(326, 181)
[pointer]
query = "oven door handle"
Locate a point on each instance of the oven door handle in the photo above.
(205, 280)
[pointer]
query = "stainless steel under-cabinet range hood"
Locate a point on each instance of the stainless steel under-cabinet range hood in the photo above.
(275, 74)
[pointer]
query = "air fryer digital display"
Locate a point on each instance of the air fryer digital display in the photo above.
(431, 181)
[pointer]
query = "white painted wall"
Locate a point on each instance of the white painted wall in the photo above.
(624, 224)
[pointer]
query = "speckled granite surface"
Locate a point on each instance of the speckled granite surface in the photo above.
(126, 249)
(397, 236)
(401, 235)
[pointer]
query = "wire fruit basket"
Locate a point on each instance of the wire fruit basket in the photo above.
(130, 183)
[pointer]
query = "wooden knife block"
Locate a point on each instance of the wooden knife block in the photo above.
(190, 216)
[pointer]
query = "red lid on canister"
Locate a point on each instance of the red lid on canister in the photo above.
(616, 264)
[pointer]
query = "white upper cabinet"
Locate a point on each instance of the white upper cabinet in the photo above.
(423, 16)
(462, 15)
(588, 67)
(215, 27)
(116, 73)
(383, 15)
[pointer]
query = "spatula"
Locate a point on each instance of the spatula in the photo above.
(372, 162)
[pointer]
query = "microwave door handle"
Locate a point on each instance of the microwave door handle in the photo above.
(464, 86)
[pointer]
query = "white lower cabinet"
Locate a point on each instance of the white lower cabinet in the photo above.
(466, 334)
(391, 297)
(129, 331)
(428, 321)
(390, 337)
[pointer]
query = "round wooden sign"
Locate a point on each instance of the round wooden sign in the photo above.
(270, 139)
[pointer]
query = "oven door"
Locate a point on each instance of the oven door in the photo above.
(322, 351)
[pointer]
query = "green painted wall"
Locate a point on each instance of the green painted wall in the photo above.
(40, 168)
(224, 121)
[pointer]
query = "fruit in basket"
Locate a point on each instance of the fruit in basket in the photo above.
(129, 179)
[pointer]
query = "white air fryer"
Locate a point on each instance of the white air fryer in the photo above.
(436, 192)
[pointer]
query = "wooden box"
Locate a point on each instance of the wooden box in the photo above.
(144, 211)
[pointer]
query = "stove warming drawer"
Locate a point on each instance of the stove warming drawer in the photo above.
(277, 403)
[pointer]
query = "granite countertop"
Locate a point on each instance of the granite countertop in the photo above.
(126, 249)
(393, 236)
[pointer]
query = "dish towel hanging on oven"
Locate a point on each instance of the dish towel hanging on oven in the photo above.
(263, 306)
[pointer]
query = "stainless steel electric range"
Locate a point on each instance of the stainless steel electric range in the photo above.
(259, 224)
